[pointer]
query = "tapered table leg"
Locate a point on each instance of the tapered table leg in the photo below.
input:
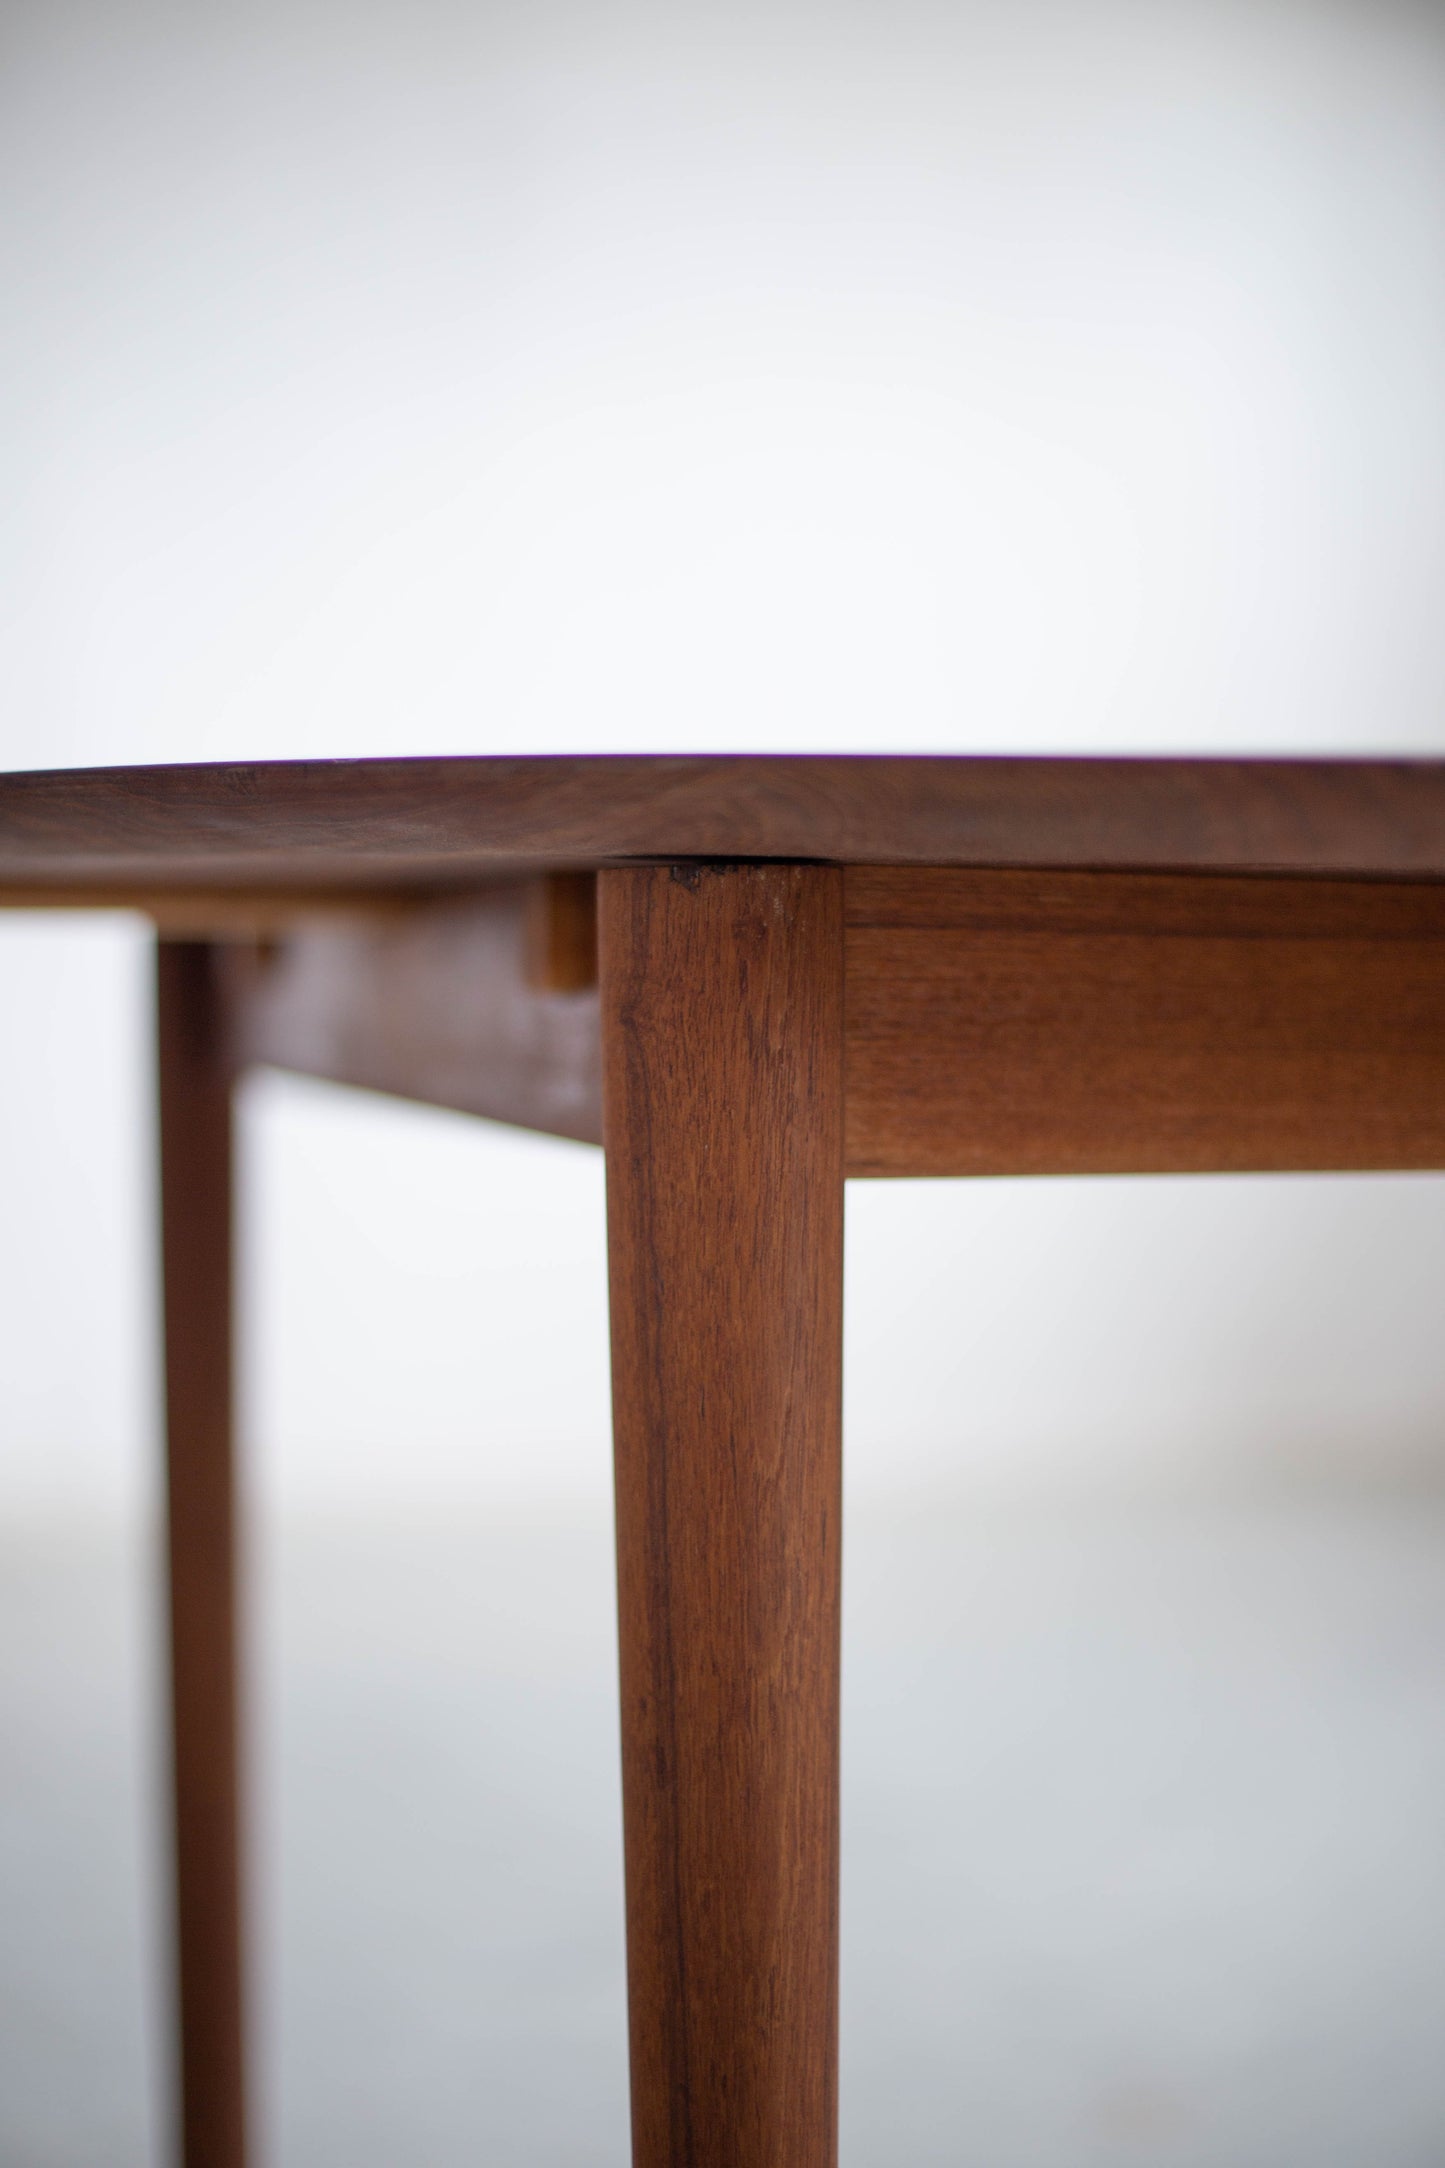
(195, 1140)
(722, 1049)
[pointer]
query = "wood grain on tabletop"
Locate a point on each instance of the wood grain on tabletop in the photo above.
(1020, 1023)
(195, 1166)
(722, 1048)
(419, 822)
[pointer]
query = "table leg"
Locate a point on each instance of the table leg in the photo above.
(723, 1114)
(195, 1154)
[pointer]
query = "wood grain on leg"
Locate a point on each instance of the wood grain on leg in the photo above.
(723, 1117)
(195, 1125)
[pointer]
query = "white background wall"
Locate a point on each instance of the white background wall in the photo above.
(969, 377)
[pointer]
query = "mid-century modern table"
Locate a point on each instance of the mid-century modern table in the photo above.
(748, 978)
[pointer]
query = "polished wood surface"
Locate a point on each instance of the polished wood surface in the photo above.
(370, 824)
(888, 966)
(195, 1164)
(722, 1038)
(996, 1022)
(1019, 1023)
(562, 933)
(438, 1004)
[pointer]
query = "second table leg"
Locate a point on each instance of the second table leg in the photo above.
(195, 1152)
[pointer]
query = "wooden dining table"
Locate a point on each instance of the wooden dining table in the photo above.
(747, 979)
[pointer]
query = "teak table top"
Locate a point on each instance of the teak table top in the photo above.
(424, 824)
